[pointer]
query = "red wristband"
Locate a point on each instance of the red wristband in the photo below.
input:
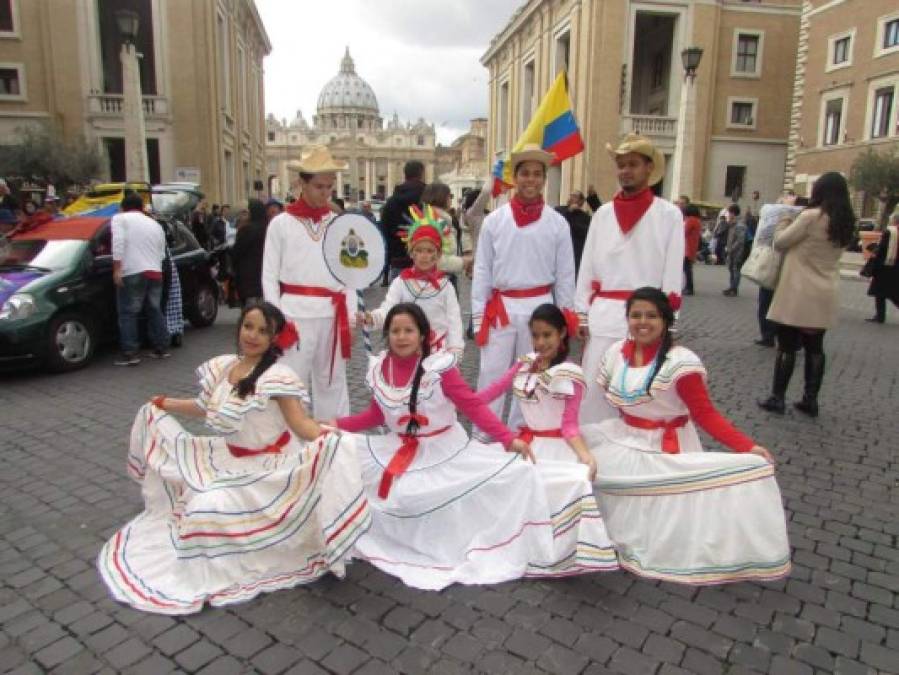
(158, 401)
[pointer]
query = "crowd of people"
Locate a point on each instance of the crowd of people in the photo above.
(597, 466)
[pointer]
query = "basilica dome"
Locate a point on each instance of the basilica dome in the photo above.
(347, 92)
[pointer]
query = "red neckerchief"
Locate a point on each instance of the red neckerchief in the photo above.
(630, 209)
(629, 350)
(526, 213)
(433, 277)
(300, 209)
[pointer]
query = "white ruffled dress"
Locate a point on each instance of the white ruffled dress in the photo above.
(221, 529)
(693, 517)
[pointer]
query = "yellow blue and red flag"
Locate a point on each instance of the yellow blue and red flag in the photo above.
(553, 127)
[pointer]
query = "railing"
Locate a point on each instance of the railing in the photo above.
(649, 125)
(114, 104)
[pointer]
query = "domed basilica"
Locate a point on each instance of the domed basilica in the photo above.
(349, 122)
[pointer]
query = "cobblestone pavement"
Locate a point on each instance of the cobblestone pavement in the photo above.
(63, 490)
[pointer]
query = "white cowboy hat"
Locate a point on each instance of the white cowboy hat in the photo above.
(642, 146)
(317, 159)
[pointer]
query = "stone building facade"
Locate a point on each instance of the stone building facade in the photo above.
(846, 91)
(623, 59)
(201, 78)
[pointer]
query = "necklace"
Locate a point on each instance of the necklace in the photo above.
(634, 395)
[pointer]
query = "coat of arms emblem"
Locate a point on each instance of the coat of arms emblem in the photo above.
(352, 251)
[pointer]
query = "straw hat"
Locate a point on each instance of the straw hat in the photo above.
(532, 152)
(317, 159)
(642, 146)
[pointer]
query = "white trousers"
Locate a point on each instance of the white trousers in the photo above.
(594, 406)
(504, 346)
(310, 358)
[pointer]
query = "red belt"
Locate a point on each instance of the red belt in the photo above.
(270, 449)
(495, 315)
(528, 435)
(609, 295)
(670, 444)
(341, 316)
(402, 458)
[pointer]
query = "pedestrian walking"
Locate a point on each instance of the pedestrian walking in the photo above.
(885, 270)
(578, 223)
(805, 300)
(736, 244)
(247, 254)
(692, 236)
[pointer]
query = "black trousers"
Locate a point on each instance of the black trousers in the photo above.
(791, 339)
(768, 329)
(688, 275)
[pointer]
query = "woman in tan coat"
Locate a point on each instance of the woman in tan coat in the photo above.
(805, 300)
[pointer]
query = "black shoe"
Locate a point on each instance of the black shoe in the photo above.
(807, 406)
(160, 354)
(814, 376)
(763, 342)
(729, 292)
(177, 340)
(875, 319)
(772, 404)
(127, 359)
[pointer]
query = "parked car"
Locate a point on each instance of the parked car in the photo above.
(57, 298)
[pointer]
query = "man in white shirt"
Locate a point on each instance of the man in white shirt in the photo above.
(524, 259)
(138, 251)
(296, 279)
(635, 240)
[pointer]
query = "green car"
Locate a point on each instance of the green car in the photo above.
(57, 299)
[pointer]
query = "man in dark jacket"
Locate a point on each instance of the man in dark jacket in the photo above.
(246, 254)
(578, 221)
(395, 215)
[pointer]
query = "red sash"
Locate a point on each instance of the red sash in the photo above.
(270, 449)
(598, 292)
(403, 457)
(495, 315)
(341, 316)
(528, 435)
(670, 443)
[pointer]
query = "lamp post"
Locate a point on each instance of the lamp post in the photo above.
(682, 171)
(136, 169)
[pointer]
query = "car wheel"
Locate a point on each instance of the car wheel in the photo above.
(205, 307)
(71, 341)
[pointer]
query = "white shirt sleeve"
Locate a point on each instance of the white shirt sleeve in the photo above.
(672, 277)
(482, 278)
(455, 339)
(118, 239)
(586, 273)
(271, 265)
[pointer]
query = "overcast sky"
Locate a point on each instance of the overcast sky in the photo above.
(421, 57)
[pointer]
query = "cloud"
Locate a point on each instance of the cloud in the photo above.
(420, 63)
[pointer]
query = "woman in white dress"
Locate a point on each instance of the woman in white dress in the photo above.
(549, 390)
(677, 513)
(446, 509)
(268, 504)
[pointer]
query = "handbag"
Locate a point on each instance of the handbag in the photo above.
(762, 266)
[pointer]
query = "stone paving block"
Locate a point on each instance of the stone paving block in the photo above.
(373, 606)
(845, 604)
(44, 634)
(629, 662)
(127, 653)
(797, 628)
(681, 609)
(155, 664)
(314, 643)
(276, 659)
(72, 613)
(751, 657)
(83, 663)
(883, 615)
(780, 665)
(815, 656)
(344, 659)
(562, 631)
(460, 616)
(761, 616)
(197, 655)
(176, 639)
(385, 645)
(403, 620)
(880, 657)
(562, 661)
(864, 630)
(821, 616)
(463, 647)
(627, 633)
(13, 609)
(223, 665)
(596, 646)
(530, 618)
(500, 662)
(735, 628)
(872, 593)
(304, 667)
(223, 628)
(844, 666)
(664, 649)
(837, 642)
(414, 660)
(24, 623)
(58, 652)
(527, 644)
(776, 643)
(700, 638)
(107, 638)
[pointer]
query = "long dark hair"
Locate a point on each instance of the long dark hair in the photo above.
(830, 193)
(549, 313)
(275, 321)
(663, 305)
(424, 328)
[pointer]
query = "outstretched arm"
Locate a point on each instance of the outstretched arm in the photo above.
(496, 389)
(368, 418)
(179, 406)
(297, 420)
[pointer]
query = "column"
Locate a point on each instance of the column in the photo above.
(391, 178)
(133, 117)
(682, 180)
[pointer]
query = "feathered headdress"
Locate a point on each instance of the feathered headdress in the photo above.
(424, 226)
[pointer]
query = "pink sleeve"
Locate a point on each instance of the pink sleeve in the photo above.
(368, 418)
(474, 407)
(498, 388)
(570, 425)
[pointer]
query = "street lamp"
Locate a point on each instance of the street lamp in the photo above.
(682, 171)
(136, 169)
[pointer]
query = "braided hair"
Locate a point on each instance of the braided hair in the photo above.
(424, 328)
(655, 297)
(275, 321)
(552, 315)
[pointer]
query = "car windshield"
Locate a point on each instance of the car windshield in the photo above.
(174, 203)
(39, 253)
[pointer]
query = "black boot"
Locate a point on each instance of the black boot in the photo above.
(783, 371)
(814, 374)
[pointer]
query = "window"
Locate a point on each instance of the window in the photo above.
(841, 51)
(734, 179)
(887, 39)
(891, 34)
(271, 136)
(742, 112)
(7, 17)
(563, 52)
(833, 118)
(420, 140)
(224, 66)
(111, 44)
(502, 121)
(747, 53)
(11, 81)
(527, 93)
(658, 70)
(882, 113)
